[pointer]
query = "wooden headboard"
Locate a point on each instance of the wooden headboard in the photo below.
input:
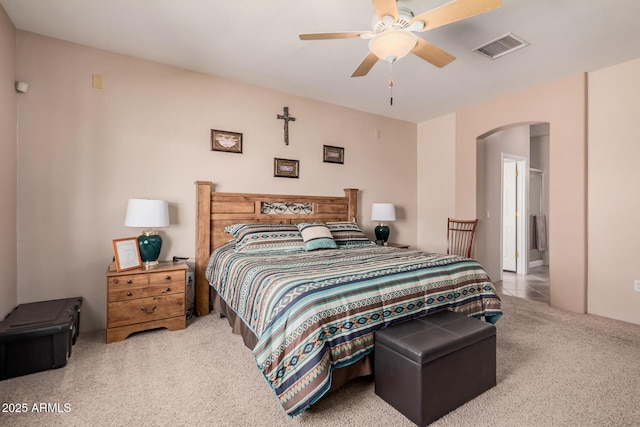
(215, 211)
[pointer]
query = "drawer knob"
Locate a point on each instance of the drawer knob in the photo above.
(168, 278)
(144, 310)
(168, 290)
(129, 294)
(129, 282)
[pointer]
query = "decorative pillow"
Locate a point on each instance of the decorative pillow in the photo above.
(348, 234)
(266, 237)
(316, 236)
(233, 229)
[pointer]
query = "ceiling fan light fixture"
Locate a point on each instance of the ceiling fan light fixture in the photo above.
(387, 20)
(393, 44)
(416, 26)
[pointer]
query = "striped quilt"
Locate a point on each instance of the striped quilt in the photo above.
(316, 311)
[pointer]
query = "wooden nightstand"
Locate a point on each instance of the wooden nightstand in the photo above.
(397, 245)
(138, 300)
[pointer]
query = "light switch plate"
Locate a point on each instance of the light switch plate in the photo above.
(96, 81)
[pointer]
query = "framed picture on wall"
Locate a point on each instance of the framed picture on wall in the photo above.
(230, 142)
(286, 168)
(333, 154)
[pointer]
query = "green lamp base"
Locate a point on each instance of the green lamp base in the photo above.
(150, 245)
(382, 233)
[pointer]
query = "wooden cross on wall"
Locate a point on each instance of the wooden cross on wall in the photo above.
(287, 118)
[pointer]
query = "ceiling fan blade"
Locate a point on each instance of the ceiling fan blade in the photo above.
(454, 11)
(367, 63)
(385, 7)
(431, 53)
(330, 36)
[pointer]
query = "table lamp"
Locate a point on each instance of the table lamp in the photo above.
(149, 215)
(382, 212)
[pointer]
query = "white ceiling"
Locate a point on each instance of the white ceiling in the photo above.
(256, 41)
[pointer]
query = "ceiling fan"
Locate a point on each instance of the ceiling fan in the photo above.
(392, 35)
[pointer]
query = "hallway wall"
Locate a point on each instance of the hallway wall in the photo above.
(539, 159)
(511, 141)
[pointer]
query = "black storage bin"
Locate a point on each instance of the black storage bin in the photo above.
(429, 366)
(38, 336)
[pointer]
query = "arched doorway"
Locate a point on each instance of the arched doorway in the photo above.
(507, 235)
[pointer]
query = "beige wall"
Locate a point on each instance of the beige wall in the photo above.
(8, 168)
(614, 200)
(436, 181)
(83, 152)
(81, 155)
(562, 103)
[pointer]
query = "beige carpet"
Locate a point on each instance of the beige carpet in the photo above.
(554, 369)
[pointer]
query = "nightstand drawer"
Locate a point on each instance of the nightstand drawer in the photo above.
(145, 310)
(157, 289)
(119, 294)
(128, 281)
(166, 277)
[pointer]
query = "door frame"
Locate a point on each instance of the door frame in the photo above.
(522, 226)
(510, 226)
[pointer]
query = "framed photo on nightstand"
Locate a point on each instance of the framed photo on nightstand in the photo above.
(127, 254)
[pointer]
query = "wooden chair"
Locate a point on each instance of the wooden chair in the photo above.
(460, 234)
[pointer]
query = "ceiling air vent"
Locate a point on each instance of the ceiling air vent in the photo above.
(501, 46)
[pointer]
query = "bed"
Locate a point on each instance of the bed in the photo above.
(309, 314)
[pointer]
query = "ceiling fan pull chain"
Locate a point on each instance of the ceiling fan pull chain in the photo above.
(391, 83)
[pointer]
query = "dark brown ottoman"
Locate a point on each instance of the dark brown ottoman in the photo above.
(429, 366)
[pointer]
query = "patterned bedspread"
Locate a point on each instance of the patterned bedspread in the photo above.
(317, 311)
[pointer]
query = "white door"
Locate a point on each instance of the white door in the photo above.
(509, 220)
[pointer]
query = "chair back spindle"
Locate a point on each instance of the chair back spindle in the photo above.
(460, 234)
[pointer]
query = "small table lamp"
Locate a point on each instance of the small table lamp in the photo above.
(383, 212)
(148, 214)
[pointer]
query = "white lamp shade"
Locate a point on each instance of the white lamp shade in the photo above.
(383, 212)
(145, 213)
(393, 44)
